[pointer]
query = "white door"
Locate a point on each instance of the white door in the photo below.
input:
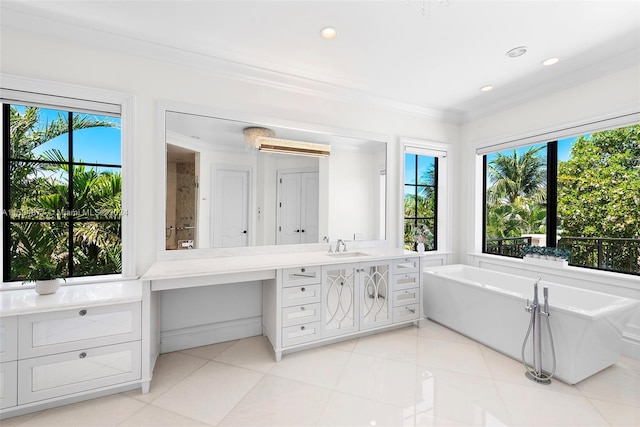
(298, 208)
(230, 208)
(309, 209)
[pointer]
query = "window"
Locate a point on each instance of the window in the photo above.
(580, 193)
(62, 195)
(420, 201)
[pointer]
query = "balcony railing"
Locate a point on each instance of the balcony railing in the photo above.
(508, 246)
(621, 255)
(610, 254)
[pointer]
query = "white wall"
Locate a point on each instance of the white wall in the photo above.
(79, 63)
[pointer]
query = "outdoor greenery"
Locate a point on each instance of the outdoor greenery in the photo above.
(598, 197)
(44, 210)
(419, 209)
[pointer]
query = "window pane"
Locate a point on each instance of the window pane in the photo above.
(97, 192)
(37, 191)
(516, 200)
(426, 170)
(32, 241)
(598, 184)
(38, 133)
(409, 168)
(100, 142)
(409, 201)
(97, 248)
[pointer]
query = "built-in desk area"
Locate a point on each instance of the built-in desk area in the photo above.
(308, 298)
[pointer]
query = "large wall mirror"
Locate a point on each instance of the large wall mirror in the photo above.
(221, 192)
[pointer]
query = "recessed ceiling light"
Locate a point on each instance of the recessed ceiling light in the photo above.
(517, 51)
(486, 88)
(550, 61)
(328, 32)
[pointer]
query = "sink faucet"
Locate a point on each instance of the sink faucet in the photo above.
(344, 245)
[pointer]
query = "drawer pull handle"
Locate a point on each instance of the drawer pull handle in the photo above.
(82, 312)
(302, 328)
(309, 276)
(83, 355)
(302, 289)
(413, 310)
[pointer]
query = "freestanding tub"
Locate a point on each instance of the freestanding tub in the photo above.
(489, 307)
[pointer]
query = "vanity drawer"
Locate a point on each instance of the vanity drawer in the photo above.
(299, 295)
(8, 384)
(301, 314)
(406, 265)
(406, 281)
(300, 334)
(300, 276)
(406, 297)
(406, 312)
(8, 338)
(68, 330)
(77, 371)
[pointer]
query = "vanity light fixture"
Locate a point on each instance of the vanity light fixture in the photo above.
(328, 33)
(550, 61)
(486, 88)
(286, 146)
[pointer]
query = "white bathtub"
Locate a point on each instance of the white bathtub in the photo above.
(489, 307)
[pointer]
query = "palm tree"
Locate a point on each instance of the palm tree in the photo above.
(516, 196)
(39, 186)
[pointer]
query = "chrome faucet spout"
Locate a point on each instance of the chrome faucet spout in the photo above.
(338, 243)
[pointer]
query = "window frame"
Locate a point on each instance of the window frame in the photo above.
(15, 89)
(550, 137)
(444, 153)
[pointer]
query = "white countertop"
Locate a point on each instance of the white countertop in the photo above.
(23, 301)
(221, 265)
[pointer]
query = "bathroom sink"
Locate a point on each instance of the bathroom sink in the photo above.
(346, 254)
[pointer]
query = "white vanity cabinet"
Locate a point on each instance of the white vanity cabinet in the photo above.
(406, 290)
(82, 341)
(8, 361)
(309, 305)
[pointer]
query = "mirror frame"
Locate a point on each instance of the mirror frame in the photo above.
(164, 106)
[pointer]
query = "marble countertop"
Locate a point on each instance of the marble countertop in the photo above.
(221, 265)
(24, 301)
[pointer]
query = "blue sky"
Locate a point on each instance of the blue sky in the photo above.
(94, 145)
(564, 149)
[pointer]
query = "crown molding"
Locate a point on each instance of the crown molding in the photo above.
(21, 17)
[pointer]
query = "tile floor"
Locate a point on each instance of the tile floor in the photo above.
(406, 377)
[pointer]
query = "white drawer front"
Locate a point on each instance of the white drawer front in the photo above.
(300, 314)
(8, 384)
(8, 338)
(406, 312)
(300, 276)
(299, 295)
(61, 331)
(406, 265)
(406, 297)
(406, 281)
(300, 334)
(61, 374)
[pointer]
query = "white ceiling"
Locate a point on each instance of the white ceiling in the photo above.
(386, 52)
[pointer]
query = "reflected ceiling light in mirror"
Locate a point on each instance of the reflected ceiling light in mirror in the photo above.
(286, 146)
(252, 133)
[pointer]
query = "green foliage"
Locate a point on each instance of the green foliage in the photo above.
(516, 194)
(599, 187)
(39, 190)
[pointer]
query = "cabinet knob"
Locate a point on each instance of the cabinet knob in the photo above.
(82, 355)
(302, 308)
(302, 328)
(302, 289)
(82, 312)
(303, 270)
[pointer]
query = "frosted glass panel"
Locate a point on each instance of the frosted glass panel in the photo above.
(81, 370)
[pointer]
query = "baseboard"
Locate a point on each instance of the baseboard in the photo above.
(197, 336)
(631, 342)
